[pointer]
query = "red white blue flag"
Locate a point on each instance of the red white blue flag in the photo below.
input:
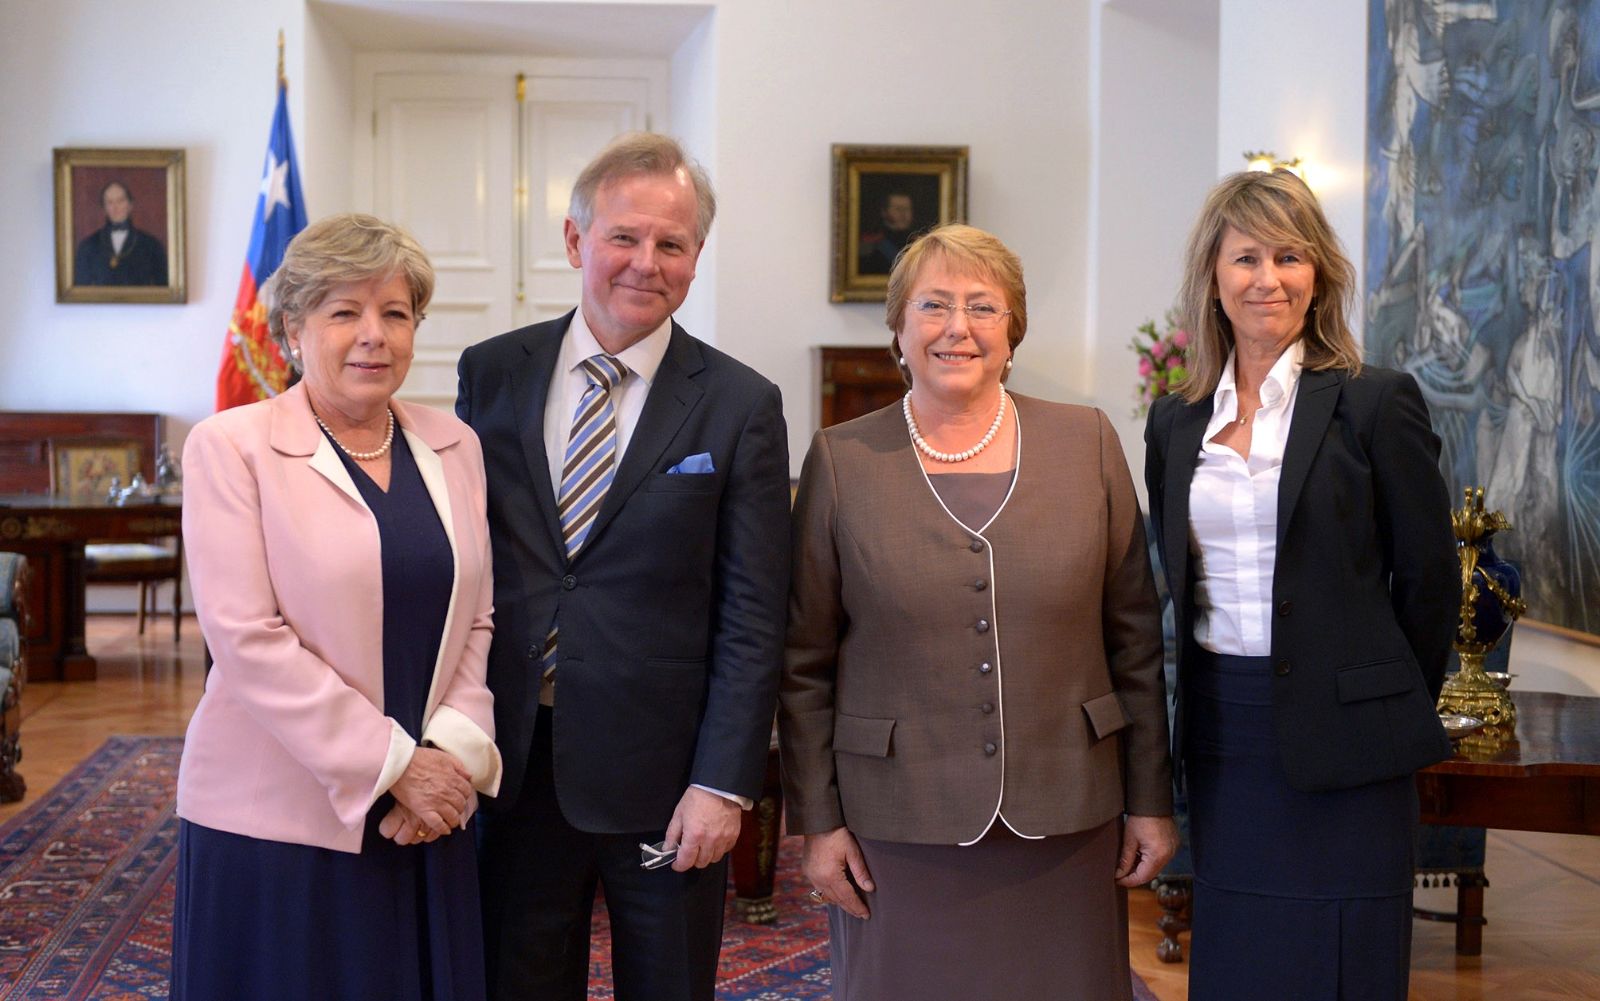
(252, 369)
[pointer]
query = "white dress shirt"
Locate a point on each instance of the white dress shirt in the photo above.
(568, 383)
(1233, 514)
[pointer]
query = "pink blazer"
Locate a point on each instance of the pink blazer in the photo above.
(290, 741)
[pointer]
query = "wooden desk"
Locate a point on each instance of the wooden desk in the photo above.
(51, 532)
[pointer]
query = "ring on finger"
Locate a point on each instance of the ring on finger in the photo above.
(817, 896)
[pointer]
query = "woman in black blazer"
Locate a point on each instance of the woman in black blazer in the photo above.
(1305, 534)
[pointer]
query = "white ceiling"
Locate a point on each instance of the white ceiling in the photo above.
(513, 27)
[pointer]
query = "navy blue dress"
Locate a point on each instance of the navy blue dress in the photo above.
(258, 920)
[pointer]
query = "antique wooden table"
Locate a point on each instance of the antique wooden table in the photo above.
(1541, 775)
(1544, 776)
(51, 532)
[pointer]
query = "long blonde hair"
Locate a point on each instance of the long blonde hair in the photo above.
(1277, 209)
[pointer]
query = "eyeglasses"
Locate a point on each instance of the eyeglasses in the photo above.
(979, 314)
(656, 856)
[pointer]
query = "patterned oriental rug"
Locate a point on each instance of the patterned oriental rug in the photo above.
(86, 885)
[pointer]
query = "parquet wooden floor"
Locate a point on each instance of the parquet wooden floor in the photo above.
(1543, 903)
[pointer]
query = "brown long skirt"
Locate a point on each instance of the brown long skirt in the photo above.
(1007, 918)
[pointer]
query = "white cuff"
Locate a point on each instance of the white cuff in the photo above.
(453, 731)
(744, 802)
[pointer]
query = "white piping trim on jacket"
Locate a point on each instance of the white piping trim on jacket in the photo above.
(994, 622)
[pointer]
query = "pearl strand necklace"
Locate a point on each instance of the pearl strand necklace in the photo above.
(377, 453)
(935, 454)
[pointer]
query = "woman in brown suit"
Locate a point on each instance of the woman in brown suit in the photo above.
(972, 718)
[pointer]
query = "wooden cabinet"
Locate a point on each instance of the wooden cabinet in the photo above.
(25, 439)
(856, 381)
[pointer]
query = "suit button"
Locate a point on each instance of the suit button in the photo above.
(983, 625)
(983, 668)
(569, 582)
(977, 546)
(981, 584)
(1281, 668)
(989, 749)
(533, 652)
(987, 707)
(1284, 608)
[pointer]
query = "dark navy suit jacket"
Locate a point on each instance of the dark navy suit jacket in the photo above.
(672, 613)
(1366, 588)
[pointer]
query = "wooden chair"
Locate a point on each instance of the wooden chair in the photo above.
(84, 468)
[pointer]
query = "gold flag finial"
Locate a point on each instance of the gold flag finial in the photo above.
(282, 80)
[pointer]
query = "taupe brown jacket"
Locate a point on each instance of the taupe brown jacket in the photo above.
(937, 677)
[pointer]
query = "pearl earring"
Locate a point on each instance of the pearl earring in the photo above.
(1008, 364)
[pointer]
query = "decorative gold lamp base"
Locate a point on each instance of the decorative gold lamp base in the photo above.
(1470, 692)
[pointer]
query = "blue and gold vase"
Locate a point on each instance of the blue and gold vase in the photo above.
(1491, 600)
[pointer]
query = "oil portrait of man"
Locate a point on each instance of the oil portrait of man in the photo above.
(118, 252)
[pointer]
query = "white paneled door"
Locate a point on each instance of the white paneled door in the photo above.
(480, 170)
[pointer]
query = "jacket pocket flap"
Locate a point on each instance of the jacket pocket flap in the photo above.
(1373, 681)
(1105, 715)
(862, 735)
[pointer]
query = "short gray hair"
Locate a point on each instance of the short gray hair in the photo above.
(642, 153)
(350, 247)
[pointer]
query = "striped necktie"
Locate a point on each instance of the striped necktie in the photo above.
(589, 466)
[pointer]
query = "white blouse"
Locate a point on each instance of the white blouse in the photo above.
(1233, 514)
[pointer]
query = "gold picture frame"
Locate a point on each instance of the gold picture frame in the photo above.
(120, 225)
(82, 469)
(884, 196)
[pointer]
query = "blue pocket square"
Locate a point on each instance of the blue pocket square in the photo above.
(700, 462)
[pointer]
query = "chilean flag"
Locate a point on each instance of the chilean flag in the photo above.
(252, 369)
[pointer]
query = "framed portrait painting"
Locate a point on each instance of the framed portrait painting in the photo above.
(883, 197)
(120, 225)
(83, 470)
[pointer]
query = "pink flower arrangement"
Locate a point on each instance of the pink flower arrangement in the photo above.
(1162, 361)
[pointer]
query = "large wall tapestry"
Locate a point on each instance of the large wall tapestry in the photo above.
(1482, 264)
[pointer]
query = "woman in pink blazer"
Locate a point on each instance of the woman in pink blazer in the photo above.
(340, 561)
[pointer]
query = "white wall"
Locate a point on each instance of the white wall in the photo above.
(1155, 151)
(692, 109)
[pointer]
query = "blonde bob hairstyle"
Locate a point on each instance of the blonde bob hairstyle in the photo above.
(641, 153)
(341, 248)
(1277, 209)
(964, 249)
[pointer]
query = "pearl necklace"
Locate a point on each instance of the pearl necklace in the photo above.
(935, 454)
(377, 453)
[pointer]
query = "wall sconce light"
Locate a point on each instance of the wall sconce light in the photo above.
(1268, 161)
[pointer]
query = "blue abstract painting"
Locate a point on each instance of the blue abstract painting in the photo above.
(1482, 266)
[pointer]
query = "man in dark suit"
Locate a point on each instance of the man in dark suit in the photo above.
(638, 505)
(119, 253)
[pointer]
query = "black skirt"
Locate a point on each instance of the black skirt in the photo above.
(1303, 895)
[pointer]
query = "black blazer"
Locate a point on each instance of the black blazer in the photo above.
(1366, 589)
(671, 615)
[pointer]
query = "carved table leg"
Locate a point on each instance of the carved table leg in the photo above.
(1174, 894)
(755, 854)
